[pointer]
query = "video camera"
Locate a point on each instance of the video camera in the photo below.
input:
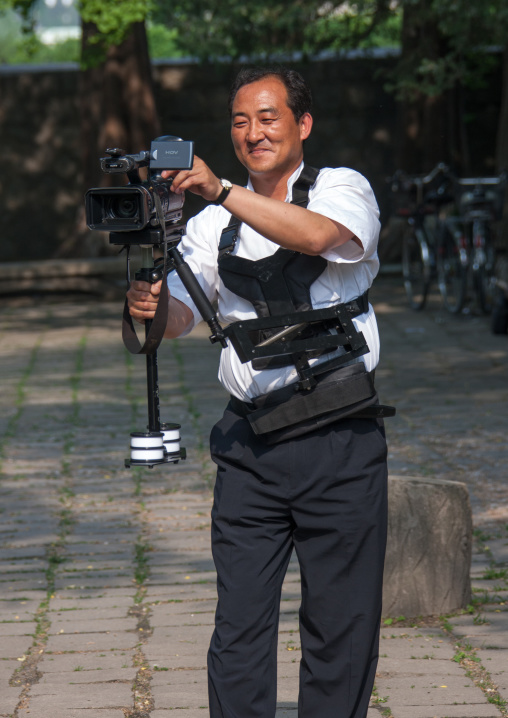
(146, 208)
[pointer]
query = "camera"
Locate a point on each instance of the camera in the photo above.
(140, 205)
(148, 214)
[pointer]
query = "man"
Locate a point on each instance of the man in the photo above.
(315, 479)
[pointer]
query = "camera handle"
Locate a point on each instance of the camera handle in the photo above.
(197, 295)
(151, 274)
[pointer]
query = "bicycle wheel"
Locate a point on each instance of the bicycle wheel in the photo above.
(483, 267)
(452, 268)
(416, 269)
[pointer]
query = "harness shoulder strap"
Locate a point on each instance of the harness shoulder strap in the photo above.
(299, 196)
(300, 192)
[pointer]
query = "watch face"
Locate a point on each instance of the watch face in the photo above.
(226, 183)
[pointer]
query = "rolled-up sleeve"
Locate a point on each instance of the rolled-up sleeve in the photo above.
(345, 196)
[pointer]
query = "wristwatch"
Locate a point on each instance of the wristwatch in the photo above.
(226, 189)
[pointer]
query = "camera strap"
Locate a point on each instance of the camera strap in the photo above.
(157, 327)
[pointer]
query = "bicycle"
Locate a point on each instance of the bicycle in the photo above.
(467, 251)
(424, 198)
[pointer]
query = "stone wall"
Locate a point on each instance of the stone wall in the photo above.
(40, 183)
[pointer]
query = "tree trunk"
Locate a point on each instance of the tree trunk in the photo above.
(117, 109)
(502, 153)
(427, 123)
(502, 131)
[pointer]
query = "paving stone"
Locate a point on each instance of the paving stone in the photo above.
(180, 696)
(93, 662)
(389, 666)
(29, 552)
(24, 628)
(10, 699)
(191, 713)
(165, 658)
(443, 711)
(31, 566)
(408, 651)
(495, 661)
(187, 614)
(81, 677)
(102, 602)
(92, 641)
(179, 591)
(92, 625)
(484, 635)
(96, 615)
(162, 677)
(24, 586)
(421, 690)
(69, 712)
(15, 646)
(94, 593)
(7, 668)
(93, 581)
(287, 689)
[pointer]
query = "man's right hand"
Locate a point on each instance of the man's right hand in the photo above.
(143, 299)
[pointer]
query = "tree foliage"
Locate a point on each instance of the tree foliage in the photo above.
(212, 29)
(444, 43)
(112, 20)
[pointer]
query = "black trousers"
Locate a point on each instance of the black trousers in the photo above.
(323, 494)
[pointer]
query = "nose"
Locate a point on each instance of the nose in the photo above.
(255, 132)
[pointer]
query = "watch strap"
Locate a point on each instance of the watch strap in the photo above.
(226, 189)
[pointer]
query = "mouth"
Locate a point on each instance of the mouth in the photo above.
(258, 150)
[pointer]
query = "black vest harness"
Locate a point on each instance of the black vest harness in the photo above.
(288, 331)
(279, 286)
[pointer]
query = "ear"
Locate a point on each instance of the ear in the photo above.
(305, 123)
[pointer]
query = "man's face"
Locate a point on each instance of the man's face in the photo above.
(266, 137)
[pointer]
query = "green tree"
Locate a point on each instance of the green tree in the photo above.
(444, 49)
(117, 105)
(212, 29)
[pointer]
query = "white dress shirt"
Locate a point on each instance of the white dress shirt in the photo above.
(340, 194)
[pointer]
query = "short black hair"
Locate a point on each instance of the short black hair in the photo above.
(299, 95)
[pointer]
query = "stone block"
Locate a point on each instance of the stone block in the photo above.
(10, 699)
(92, 642)
(444, 711)
(181, 697)
(429, 547)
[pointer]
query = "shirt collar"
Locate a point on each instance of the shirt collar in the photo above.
(291, 182)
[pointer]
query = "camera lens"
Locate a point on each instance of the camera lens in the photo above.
(123, 208)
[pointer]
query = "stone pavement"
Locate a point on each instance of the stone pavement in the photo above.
(107, 587)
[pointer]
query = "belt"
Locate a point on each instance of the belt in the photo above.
(358, 306)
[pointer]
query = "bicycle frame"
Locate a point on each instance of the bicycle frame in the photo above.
(420, 242)
(480, 200)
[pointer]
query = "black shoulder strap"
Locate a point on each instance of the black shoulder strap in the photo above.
(307, 178)
(229, 236)
(299, 196)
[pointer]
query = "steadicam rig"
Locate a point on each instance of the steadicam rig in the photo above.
(148, 215)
